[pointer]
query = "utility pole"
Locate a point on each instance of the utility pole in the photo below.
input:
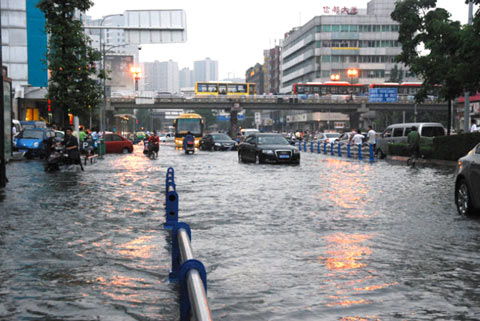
(3, 165)
(466, 116)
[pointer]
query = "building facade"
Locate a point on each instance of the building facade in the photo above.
(271, 66)
(186, 78)
(256, 75)
(162, 76)
(330, 44)
(205, 70)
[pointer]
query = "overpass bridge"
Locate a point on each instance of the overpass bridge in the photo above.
(319, 104)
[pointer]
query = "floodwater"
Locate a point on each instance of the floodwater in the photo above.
(330, 239)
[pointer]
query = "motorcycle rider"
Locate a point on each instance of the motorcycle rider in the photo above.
(154, 141)
(188, 138)
(71, 146)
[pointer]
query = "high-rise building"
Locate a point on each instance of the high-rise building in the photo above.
(255, 75)
(162, 76)
(186, 78)
(330, 44)
(24, 46)
(205, 70)
(271, 67)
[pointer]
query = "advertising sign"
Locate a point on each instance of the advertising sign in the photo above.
(383, 95)
(118, 70)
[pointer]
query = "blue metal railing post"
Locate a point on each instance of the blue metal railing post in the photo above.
(318, 147)
(299, 145)
(360, 151)
(171, 201)
(372, 156)
(311, 146)
(325, 148)
(339, 149)
(331, 149)
(304, 145)
(349, 154)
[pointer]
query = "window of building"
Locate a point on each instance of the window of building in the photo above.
(326, 58)
(335, 58)
(326, 73)
(319, 44)
(395, 28)
(326, 28)
(335, 28)
(318, 28)
(376, 28)
(353, 28)
(345, 28)
(385, 28)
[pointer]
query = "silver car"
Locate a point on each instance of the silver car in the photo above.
(467, 183)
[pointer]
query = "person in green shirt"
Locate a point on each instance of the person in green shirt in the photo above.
(413, 140)
(82, 135)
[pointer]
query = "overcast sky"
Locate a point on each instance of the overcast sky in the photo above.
(236, 32)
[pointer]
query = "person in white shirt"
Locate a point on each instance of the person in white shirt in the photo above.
(358, 138)
(372, 137)
(474, 127)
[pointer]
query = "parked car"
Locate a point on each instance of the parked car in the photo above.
(30, 141)
(267, 148)
(33, 124)
(115, 143)
(17, 125)
(397, 133)
(217, 141)
(328, 137)
(467, 183)
(167, 137)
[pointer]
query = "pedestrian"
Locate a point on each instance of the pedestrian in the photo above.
(372, 137)
(82, 135)
(351, 135)
(413, 140)
(14, 130)
(358, 138)
(474, 127)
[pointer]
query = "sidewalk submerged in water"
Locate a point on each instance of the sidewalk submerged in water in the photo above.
(424, 161)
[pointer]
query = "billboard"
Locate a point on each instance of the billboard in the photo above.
(118, 70)
(155, 26)
(383, 95)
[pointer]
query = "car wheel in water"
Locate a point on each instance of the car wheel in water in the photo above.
(462, 198)
(258, 159)
(125, 150)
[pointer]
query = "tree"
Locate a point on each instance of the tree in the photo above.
(73, 85)
(208, 117)
(396, 74)
(432, 47)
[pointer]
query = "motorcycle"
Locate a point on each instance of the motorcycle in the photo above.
(189, 147)
(151, 153)
(59, 156)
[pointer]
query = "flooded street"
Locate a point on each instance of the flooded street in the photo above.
(330, 239)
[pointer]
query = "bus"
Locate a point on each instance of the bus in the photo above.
(224, 88)
(330, 89)
(188, 123)
(408, 89)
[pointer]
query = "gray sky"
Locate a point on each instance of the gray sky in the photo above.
(236, 32)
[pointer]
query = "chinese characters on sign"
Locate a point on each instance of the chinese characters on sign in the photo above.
(340, 11)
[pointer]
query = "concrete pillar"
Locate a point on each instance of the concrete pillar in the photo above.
(233, 123)
(354, 119)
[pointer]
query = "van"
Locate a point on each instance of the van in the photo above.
(247, 131)
(397, 133)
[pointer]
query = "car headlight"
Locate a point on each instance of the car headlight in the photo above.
(268, 152)
(35, 144)
(218, 144)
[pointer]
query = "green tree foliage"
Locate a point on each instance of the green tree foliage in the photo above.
(71, 61)
(434, 47)
(396, 74)
(208, 117)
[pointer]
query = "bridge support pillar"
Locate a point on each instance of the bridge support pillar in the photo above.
(233, 123)
(354, 120)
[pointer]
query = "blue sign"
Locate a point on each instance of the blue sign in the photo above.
(227, 117)
(383, 95)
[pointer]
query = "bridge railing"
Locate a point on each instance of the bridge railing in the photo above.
(339, 148)
(186, 270)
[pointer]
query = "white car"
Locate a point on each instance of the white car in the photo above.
(168, 137)
(328, 137)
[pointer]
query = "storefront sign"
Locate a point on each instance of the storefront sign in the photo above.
(340, 11)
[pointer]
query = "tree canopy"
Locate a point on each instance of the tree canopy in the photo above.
(71, 61)
(438, 50)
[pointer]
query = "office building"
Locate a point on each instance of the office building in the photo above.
(352, 38)
(186, 78)
(271, 67)
(205, 70)
(255, 75)
(24, 46)
(162, 76)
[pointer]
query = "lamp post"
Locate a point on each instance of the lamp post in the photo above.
(352, 73)
(335, 77)
(137, 72)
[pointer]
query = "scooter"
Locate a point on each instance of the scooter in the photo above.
(189, 147)
(59, 156)
(150, 151)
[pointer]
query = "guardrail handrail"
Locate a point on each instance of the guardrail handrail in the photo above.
(186, 270)
(324, 146)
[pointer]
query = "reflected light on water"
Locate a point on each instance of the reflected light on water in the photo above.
(140, 248)
(345, 252)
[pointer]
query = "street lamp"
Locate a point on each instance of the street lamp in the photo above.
(352, 73)
(335, 77)
(137, 72)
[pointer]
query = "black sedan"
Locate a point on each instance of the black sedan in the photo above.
(267, 148)
(217, 141)
(467, 183)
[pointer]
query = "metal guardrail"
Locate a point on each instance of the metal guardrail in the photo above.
(186, 270)
(352, 150)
